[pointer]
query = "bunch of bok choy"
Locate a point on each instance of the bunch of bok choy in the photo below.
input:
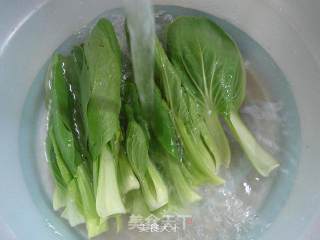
(107, 159)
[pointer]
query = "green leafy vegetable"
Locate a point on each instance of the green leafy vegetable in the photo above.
(165, 152)
(108, 195)
(127, 179)
(212, 70)
(65, 156)
(104, 69)
(181, 192)
(73, 205)
(260, 159)
(136, 204)
(152, 185)
(94, 224)
(198, 157)
(103, 56)
(115, 150)
(198, 67)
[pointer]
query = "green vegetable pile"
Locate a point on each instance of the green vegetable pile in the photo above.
(108, 160)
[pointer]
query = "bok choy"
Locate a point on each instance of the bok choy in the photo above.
(212, 70)
(103, 57)
(199, 158)
(69, 165)
(153, 188)
(113, 151)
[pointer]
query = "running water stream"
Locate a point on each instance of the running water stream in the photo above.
(141, 28)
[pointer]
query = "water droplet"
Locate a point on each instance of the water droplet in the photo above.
(247, 188)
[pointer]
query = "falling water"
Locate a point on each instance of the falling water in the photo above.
(141, 28)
